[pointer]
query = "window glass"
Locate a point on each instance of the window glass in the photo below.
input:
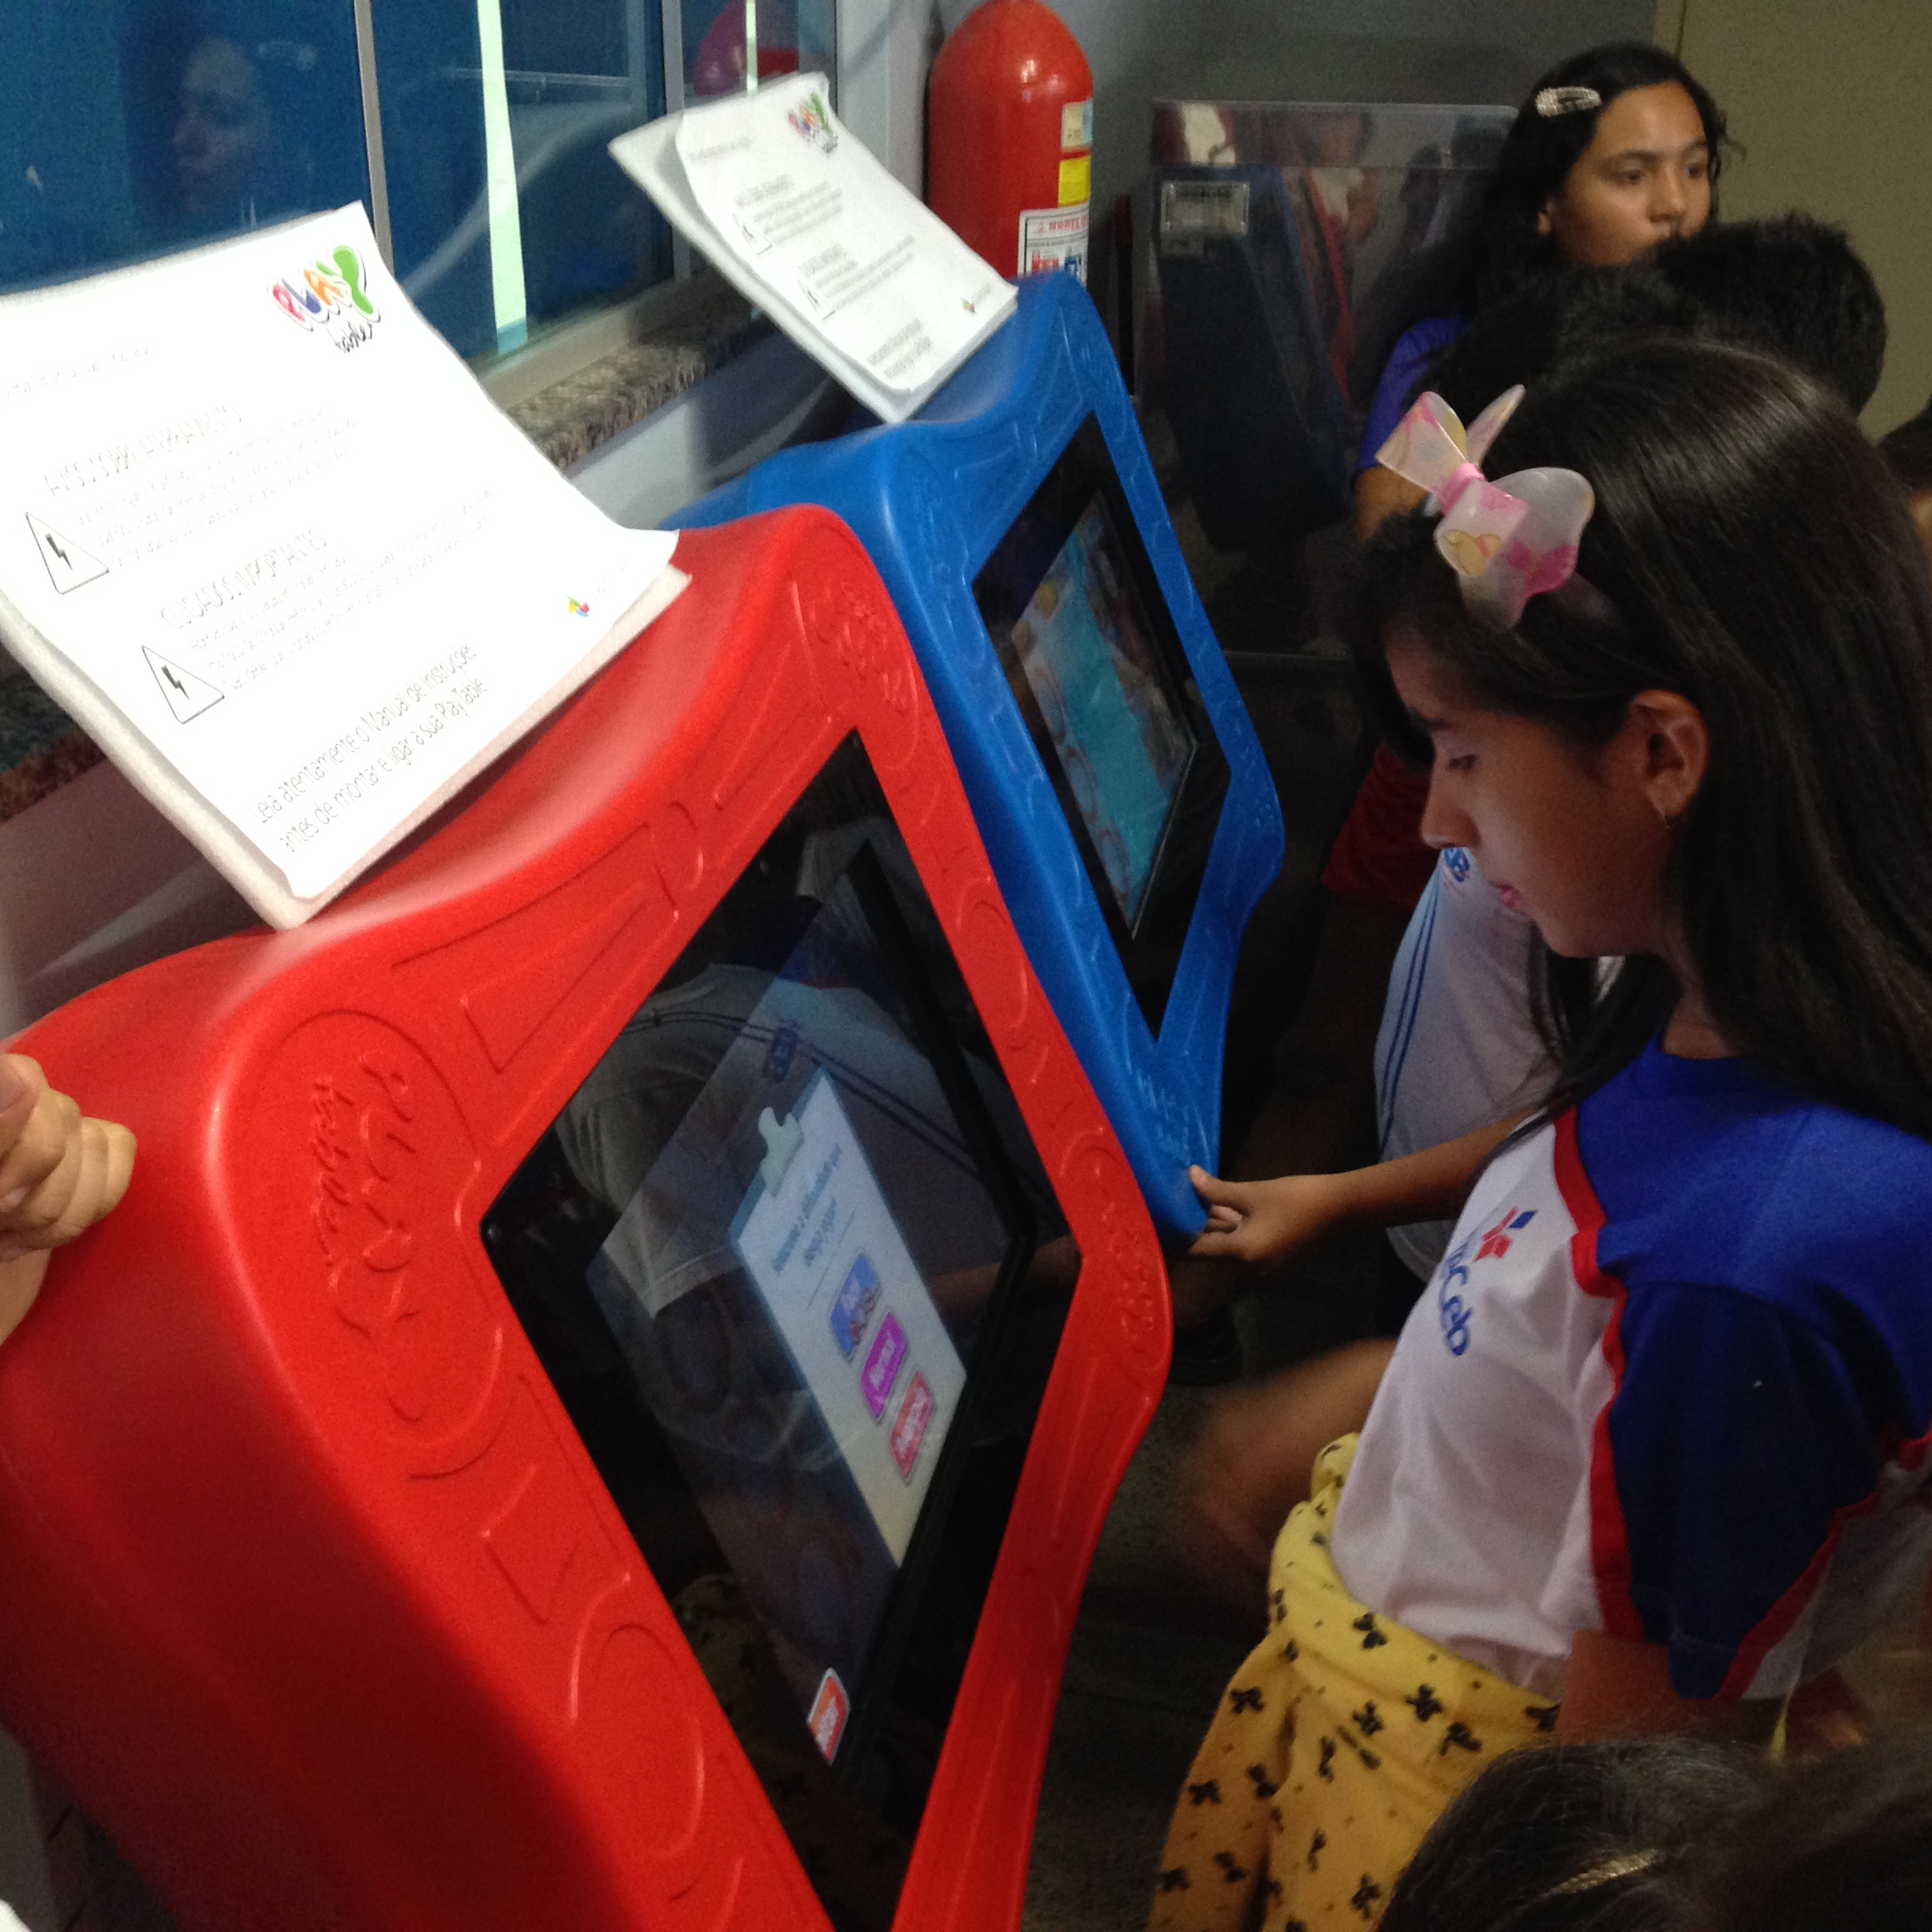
(793, 36)
(129, 128)
(505, 209)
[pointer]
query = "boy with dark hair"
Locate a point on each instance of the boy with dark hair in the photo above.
(1788, 286)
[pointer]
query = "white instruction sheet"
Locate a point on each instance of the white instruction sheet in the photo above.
(775, 190)
(825, 1255)
(265, 537)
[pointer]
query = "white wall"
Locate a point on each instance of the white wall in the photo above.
(1828, 102)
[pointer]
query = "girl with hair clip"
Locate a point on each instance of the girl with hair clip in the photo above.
(1615, 150)
(1649, 1452)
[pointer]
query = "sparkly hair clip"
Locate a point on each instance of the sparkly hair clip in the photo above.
(1608, 1873)
(1552, 103)
(1508, 541)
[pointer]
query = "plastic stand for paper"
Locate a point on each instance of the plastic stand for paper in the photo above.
(931, 499)
(314, 1596)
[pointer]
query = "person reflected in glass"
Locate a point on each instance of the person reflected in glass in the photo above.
(238, 158)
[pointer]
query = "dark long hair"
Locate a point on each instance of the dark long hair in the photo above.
(1843, 1840)
(1496, 248)
(1755, 557)
(1570, 1838)
(1661, 1834)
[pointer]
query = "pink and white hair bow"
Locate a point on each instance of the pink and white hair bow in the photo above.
(1508, 541)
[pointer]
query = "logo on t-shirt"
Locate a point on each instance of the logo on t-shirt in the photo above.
(1452, 1308)
(1496, 1240)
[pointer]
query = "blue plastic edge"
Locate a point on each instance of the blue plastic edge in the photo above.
(930, 498)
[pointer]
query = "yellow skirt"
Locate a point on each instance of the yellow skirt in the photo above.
(1335, 1747)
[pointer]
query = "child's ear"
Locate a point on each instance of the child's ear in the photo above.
(1676, 750)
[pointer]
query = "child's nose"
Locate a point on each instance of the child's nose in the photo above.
(1670, 199)
(1444, 823)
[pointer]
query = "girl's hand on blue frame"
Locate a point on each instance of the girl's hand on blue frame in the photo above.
(1266, 1223)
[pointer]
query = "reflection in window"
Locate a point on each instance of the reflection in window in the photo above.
(132, 127)
(504, 207)
(792, 36)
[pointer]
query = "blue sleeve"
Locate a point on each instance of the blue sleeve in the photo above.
(1737, 1443)
(1407, 363)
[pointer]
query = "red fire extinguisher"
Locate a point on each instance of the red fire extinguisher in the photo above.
(1010, 138)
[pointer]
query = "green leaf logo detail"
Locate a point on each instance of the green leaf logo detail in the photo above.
(349, 266)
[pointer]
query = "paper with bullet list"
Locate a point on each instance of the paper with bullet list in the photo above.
(793, 210)
(264, 536)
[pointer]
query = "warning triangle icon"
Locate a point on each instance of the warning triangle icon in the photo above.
(67, 563)
(188, 696)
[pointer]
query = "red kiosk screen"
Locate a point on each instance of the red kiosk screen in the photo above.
(786, 1257)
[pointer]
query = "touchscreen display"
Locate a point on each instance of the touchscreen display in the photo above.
(1075, 612)
(790, 1259)
(1085, 646)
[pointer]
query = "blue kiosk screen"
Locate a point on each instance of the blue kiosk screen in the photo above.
(1085, 646)
(1071, 603)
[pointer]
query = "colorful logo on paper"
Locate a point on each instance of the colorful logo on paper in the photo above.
(331, 296)
(811, 120)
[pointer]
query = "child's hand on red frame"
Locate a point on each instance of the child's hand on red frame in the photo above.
(60, 1172)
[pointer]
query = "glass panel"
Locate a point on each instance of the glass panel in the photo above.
(1090, 649)
(1086, 648)
(1292, 243)
(130, 128)
(793, 36)
(506, 210)
(791, 1261)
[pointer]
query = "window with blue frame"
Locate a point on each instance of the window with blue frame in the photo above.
(132, 128)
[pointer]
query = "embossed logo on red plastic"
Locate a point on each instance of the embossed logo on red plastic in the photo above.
(855, 628)
(363, 1138)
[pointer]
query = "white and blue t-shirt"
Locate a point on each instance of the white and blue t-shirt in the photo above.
(1458, 1046)
(1672, 1380)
